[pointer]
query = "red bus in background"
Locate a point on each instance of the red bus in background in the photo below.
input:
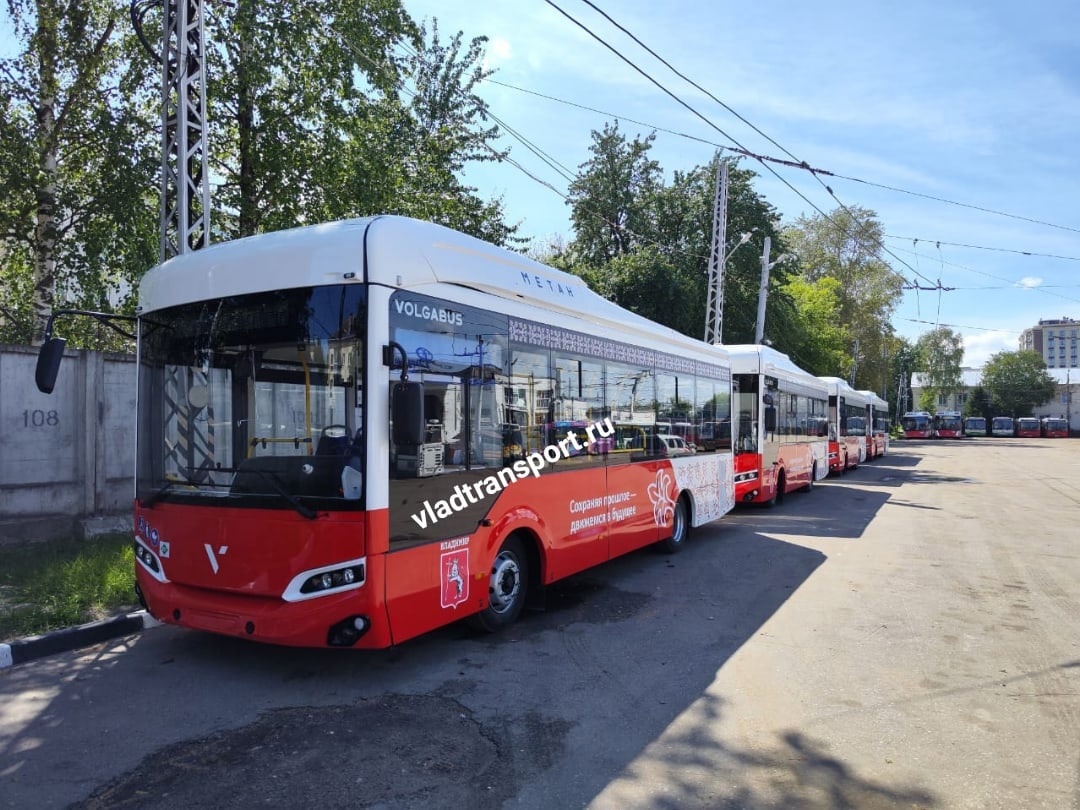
(1027, 427)
(917, 425)
(1055, 428)
(948, 425)
(847, 425)
(782, 441)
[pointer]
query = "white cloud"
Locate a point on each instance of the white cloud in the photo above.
(498, 50)
(1030, 282)
(978, 347)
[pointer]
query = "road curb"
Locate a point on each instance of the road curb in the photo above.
(31, 648)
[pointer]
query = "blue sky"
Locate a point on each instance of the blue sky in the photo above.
(971, 101)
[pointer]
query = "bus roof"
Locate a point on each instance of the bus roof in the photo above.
(873, 399)
(753, 358)
(838, 386)
(400, 253)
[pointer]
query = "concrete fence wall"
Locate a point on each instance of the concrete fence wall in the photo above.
(70, 453)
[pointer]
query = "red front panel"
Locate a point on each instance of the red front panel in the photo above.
(837, 457)
(235, 571)
(748, 477)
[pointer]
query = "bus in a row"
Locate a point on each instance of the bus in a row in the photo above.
(1054, 427)
(917, 425)
(948, 425)
(782, 425)
(352, 433)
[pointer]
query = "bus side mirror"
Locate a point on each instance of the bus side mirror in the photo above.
(770, 418)
(407, 413)
(48, 364)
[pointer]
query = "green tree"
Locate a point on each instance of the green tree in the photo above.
(406, 151)
(285, 81)
(1017, 382)
(610, 198)
(978, 403)
(645, 282)
(941, 353)
(77, 161)
(822, 351)
(905, 359)
(621, 206)
(846, 245)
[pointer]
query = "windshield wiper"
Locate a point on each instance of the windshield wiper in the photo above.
(155, 496)
(303, 509)
(158, 494)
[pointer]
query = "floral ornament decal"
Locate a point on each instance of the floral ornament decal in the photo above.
(663, 505)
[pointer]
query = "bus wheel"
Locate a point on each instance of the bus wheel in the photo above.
(778, 493)
(680, 529)
(506, 588)
(813, 478)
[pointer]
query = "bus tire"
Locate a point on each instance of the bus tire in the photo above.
(778, 493)
(813, 478)
(508, 586)
(680, 528)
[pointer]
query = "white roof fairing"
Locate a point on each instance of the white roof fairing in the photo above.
(396, 252)
(752, 358)
(299, 257)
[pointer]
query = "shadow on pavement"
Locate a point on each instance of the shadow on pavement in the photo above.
(558, 711)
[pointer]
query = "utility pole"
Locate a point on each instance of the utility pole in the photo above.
(763, 292)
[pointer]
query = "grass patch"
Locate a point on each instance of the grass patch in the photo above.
(62, 583)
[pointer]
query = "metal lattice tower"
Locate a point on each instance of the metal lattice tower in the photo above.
(185, 197)
(185, 186)
(714, 309)
(185, 209)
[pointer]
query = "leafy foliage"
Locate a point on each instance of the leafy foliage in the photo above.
(1017, 382)
(978, 403)
(78, 151)
(846, 246)
(823, 349)
(941, 353)
(621, 207)
(316, 111)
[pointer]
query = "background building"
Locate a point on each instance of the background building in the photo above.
(1055, 341)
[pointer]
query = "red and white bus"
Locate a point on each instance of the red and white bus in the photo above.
(1055, 428)
(877, 420)
(847, 425)
(917, 425)
(352, 433)
(781, 429)
(948, 425)
(1027, 427)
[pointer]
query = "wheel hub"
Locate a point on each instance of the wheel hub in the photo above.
(505, 583)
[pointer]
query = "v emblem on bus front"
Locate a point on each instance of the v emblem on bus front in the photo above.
(213, 558)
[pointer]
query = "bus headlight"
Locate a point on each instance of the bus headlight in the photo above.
(324, 581)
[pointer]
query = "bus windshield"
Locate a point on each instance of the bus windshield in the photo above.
(254, 400)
